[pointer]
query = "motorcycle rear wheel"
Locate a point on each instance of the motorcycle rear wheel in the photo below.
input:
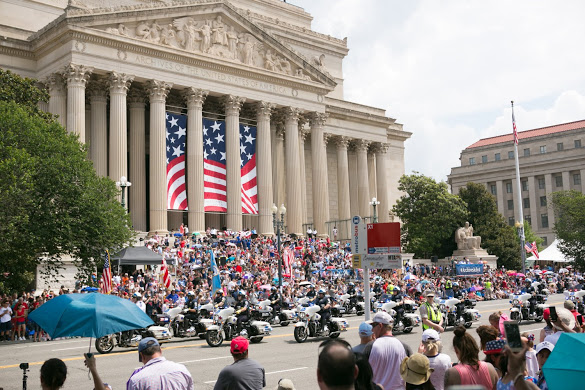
(284, 323)
(301, 334)
(539, 319)
(214, 338)
(407, 330)
(256, 340)
(467, 325)
(105, 344)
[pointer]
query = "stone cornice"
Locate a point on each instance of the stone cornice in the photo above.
(352, 115)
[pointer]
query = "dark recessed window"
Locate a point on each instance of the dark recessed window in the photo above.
(524, 185)
(526, 203)
(541, 184)
(543, 201)
(577, 179)
(471, 160)
(559, 181)
(483, 159)
(511, 154)
(494, 189)
(526, 152)
(543, 149)
(559, 146)
(510, 204)
(577, 143)
(509, 188)
(544, 220)
(497, 157)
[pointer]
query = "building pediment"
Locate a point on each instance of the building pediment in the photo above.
(203, 29)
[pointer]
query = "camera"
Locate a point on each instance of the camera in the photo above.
(24, 366)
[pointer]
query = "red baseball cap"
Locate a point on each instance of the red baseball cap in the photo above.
(239, 345)
(546, 314)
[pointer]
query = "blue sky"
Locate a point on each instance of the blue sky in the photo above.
(448, 69)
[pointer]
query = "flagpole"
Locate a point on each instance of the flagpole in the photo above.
(520, 222)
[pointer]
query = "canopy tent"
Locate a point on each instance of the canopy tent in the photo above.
(137, 255)
(551, 253)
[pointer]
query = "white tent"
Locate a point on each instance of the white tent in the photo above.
(551, 253)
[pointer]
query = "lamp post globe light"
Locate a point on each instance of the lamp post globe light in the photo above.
(123, 184)
(375, 202)
(278, 226)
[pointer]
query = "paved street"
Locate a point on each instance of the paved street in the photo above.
(280, 354)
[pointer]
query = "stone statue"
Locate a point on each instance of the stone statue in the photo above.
(206, 32)
(232, 38)
(219, 33)
(143, 30)
(269, 61)
(465, 239)
(167, 34)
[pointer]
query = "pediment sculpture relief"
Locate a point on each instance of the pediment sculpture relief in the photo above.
(212, 37)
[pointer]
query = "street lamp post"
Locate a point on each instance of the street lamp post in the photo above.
(375, 202)
(123, 184)
(278, 225)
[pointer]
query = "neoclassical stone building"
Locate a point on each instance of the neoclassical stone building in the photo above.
(113, 68)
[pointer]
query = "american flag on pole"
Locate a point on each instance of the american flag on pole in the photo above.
(531, 248)
(214, 168)
(288, 258)
(248, 169)
(106, 281)
(514, 126)
(165, 274)
(176, 139)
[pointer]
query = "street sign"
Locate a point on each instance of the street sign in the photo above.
(393, 261)
(356, 261)
(359, 236)
(383, 238)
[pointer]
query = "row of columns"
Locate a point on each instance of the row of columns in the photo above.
(273, 185)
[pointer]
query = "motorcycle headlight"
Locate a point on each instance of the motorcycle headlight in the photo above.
(302, 315)
(515, 301)
(442, 307)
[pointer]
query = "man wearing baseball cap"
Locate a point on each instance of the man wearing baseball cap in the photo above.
(243, 373)
(366, 335)
(430, 314)
(387, 353)
(158, 372)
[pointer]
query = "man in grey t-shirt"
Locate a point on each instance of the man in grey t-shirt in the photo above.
(243, 373)
(365, 332)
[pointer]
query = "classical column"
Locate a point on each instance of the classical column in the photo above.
(196, 215)
(549, 190)
(382, 182)
(302, 138)
(57, 98)
(566, 180)
(232, 105)
(353, 180)
(76, 76)
(264, 168)
(158, 91)
(500, 197)
(294, 214)
(582, 176)
(319, 159)
(137, 148)
(372, 172)
(88, 126)
(118, 158)
(98, 144)
(534, 201)
(279, 172)
(362, 173)
(343, 197)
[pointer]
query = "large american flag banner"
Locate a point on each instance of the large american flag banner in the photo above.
(176, 140)
(106, 281)
(248, 169)
(164, 269)
(214, 169)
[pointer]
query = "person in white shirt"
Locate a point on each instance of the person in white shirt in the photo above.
(431, 347)
(387, 353)
(137, 299)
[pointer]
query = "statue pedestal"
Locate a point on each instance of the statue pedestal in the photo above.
(475, 256)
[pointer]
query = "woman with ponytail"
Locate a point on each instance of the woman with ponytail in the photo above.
(53, 374)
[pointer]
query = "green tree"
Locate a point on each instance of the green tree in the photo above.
(430, 216)
(53, 202)
(569, 207)
(497, 237)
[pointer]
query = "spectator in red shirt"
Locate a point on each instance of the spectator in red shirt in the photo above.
(20, 317)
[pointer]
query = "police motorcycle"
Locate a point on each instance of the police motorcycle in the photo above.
(521, 309)
(264, 311)
(403, 322)
(182, 324)
(126, 339)
(309, 324)
(455, 313)
(225, 327)
(577, 298)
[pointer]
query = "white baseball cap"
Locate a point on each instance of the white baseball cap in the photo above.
(544, 345)
(430, 335)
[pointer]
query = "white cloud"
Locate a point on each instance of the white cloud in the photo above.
(448, 69)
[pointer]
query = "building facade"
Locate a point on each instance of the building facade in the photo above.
(113, 68)
(551, 159)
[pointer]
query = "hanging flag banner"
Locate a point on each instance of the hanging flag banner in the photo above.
(176, 134)
(469, 269)
(214, 166)
(248, 169)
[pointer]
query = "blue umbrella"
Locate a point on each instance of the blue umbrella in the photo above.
(565, 369)
(88, 315)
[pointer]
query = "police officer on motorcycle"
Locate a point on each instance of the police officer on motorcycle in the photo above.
(242, 308)
(528, 289)
(191, 306)
(325, 303)
(219, 300)
(274, 298)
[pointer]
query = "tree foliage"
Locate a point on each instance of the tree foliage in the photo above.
(430, 216)
(53, 202)
(497, 237)
(569, 207)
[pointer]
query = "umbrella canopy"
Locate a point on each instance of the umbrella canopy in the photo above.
(563, 271)
(305, 283)
(265, 287)
(88, 315)
(410, 277)
(549, 273)
(520, 274)
(565, 369)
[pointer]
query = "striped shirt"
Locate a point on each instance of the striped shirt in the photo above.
(161, 374)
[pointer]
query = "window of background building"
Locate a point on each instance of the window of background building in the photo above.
(559, 146)
(544, 220)
(498, 157)
(559, 181)
(494, 189)
(471, 160)
(544, 241)
(511, 154)
(510, 204)
(577, 143)
(509, 188)
(511, 221)
(543, 201)
(526, 152)
(526, 203)
(577, 179)
(541, 184)
(543, 149)
(528, 219)
(524, 185)
(483, 159)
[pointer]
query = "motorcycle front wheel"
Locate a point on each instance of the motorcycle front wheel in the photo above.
(467, 325)
(301, 334)
(105, 344)
(214, 338)
(407, 330)
(515, 316)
